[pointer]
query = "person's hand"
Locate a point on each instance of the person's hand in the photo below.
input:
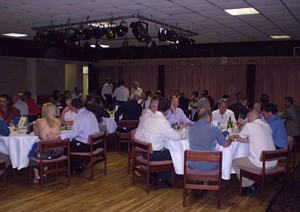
(172, 109)
(231, 138)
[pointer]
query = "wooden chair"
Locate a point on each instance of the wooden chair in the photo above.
(131, 138)
(291, 157)
(145, 167)
(61, 164)
(192, 176)
(93, 157)
(124, 137)
(3, 166)
(260, 175)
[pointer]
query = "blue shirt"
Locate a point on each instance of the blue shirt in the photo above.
(204, 136)
(4, 131)
(279, 131)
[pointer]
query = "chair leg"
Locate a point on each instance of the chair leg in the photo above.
(30, 175)
(173, 178)
(148, 179)
(4, 176)
(184, 193)
(129, 156)
(105, 164)
(219, 198)
(241, 179)
(92, 171)
(262, 191)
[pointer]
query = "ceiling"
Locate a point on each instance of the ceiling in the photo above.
(205, 17)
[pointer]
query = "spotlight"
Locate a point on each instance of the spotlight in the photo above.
(167, 35)
(110, 33)
(162, 34)
(121, 30)
(140, 31)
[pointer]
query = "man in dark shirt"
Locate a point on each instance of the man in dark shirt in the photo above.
(7, 112)
(95, 107)
(183, 102)
(130, 110)
(237, 106)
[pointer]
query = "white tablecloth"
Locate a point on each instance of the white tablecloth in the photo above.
(17, 146)
(177, 149)
(110, 124)
(235, 150)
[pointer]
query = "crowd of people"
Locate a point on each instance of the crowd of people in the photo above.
(159, 118)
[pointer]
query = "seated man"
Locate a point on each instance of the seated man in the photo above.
(95, 107)
(176, 114)
(204, 136)
(130, 110)
(33, 108)
(237, 106)
(85, 124)
(68, 115)
(7, 112)
(280, 137)
(222, 114)
(4, 130)
(151, 110)
(292, 117)
(20, 105)
(259, 136)
(158, 131)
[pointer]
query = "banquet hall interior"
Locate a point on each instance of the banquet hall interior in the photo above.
(166, 45)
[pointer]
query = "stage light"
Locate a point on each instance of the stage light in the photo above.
(121, 30)
(110, 33)
(166, 35)
(140, 31)
(151, 44)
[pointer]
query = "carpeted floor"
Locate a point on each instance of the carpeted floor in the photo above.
(292, 200)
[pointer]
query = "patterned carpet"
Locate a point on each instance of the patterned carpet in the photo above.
(292, 201)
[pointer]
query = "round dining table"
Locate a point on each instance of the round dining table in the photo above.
(17, 145)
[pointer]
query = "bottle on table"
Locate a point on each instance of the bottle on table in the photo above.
(229, 126)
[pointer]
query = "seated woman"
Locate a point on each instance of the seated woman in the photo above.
(46, 126)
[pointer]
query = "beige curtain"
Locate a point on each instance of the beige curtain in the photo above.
(217, 79)
(278, 81)
(146, 75)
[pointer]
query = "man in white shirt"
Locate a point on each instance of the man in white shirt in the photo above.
(68, 115)
(150, 111)
(107, 92)
(136, 89)
(85, 124)
(121, 93)
(223, 113)
(20, 105)
(158, 131)
(259, 136)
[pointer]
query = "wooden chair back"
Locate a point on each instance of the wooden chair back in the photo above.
(145, 166)
(94, 156)
(191, 177)
(124, 137)
(61, 164)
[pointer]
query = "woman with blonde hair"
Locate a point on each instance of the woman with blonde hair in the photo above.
(48, 124)
(44, 127)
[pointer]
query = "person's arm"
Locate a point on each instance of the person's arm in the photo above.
(118, 113)
(183, 118)
(242, 140)
(102, 92)
(37, 127)
(62, 115)
(4, 130)
(104, 113)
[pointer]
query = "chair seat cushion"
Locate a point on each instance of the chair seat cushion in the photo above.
(213, 173)
(277, 169)
(97, 151)
(62, 158)
(154, 163)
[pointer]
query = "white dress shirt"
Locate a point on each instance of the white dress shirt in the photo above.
(121, 93)
(158, 131)
(106, 89)
(139, 129)
(223, 119)
(84, 125)
(178, 117)
(137, 91)
(70, 116)
(22, 107)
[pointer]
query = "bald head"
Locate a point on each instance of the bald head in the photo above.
(153, 105)
(253, 115)
(204, 114)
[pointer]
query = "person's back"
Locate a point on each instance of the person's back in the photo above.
(292, 117)
(48, 124)
(260, 139)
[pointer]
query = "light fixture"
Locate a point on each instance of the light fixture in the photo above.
(99, 32)
(121, 30)
(15, 35)
(151, 44)
(98, 45)
(242, 11)
(110, 33)
(280, 36)
(140, 31)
